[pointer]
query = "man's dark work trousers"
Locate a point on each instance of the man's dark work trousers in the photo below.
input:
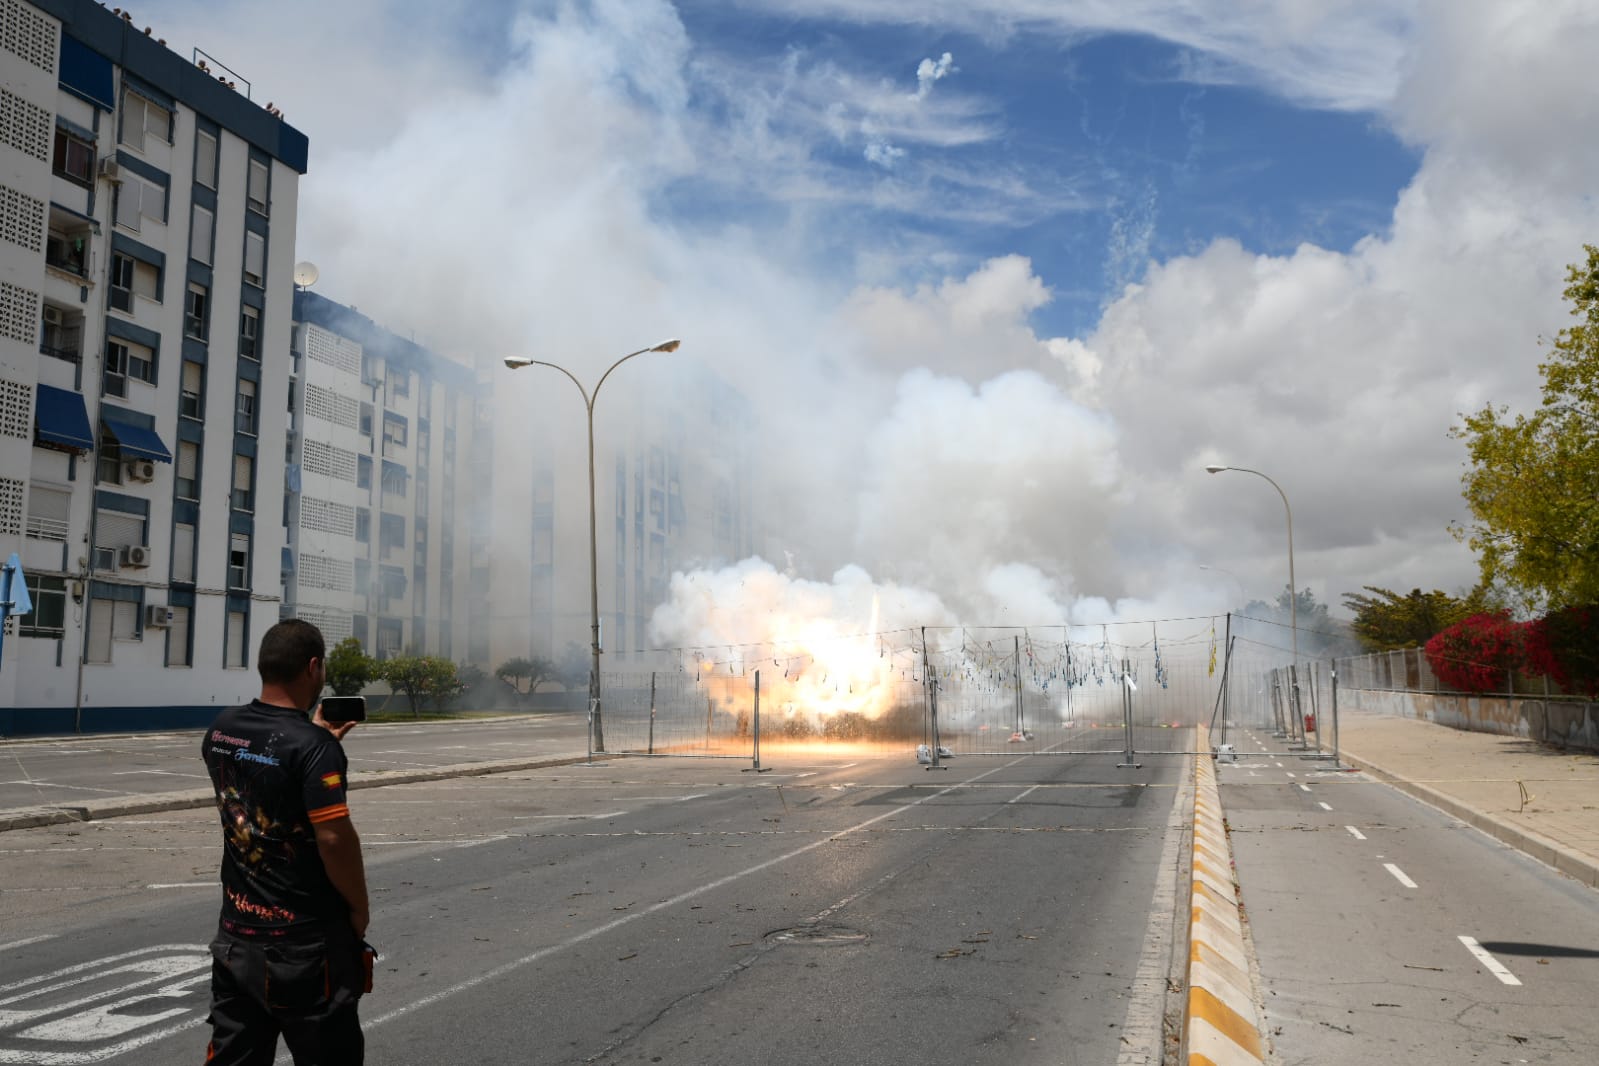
(308, 990)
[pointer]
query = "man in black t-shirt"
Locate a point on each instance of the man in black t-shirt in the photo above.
(287, 957)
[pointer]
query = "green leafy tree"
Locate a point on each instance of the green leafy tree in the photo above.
(1533, 480)
(422, 677)
(350, 669)
(1385, 620)
(1319, 633)
(534, 671)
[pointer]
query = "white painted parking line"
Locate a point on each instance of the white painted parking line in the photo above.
(25, 942)
(1357, 834)
(1399, 875)
(1325, 806)
(1493, 965)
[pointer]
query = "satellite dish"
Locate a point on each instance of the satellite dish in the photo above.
(305, 274)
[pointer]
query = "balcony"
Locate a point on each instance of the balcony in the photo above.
(62, 336)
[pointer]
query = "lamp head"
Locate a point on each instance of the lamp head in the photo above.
(1213, 468)
(517, 362)
(667, 346)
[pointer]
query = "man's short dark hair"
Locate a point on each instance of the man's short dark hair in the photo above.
(287, 649)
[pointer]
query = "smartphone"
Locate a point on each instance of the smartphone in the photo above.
(344, 708)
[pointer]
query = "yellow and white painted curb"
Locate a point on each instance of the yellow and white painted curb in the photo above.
(1221, 1026)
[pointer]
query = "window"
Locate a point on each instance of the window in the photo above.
(393, 434)
(124, 359)
(49, 615)
(183, 553)
(108, 460)
(130, 277)
(366, 420)
(188, 470)
(249, 330)
(178, 637)
(61, 334)
(113, 531)
(244, 408)
(195, 305)
(205, 159)
(391, 535)
(363, 525)
(191, 393)
(234, 656)
(137, 199)
(243, 483)
(143, 117)
(239, 561)
(49, 509)
(255, 259)
(363, 471)
(200, 226)
(259, 178)
(393, 481)
(74, 158)
(400, 382)
(67, 250)
(363, 576)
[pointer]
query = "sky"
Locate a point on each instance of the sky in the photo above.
(999, 277)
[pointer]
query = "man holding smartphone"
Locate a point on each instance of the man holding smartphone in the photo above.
(289, 956)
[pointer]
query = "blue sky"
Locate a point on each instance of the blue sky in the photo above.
(1101, 244)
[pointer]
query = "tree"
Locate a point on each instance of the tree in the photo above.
(536, 671)
(1533, 481)
(1478, 654)
(1385, 620)
(422, 676)
(1319, 633)
(349, 669)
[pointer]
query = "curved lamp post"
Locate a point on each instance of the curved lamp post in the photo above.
(516, 362)
(1293, 589)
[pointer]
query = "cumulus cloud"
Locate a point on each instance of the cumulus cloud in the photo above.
(930, 70)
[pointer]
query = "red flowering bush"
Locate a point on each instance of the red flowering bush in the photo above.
(1477, 654)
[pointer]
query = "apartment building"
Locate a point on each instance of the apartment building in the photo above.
(379, 496)
(147, 224)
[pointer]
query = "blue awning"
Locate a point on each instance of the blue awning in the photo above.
(137, 442)
(61, 419)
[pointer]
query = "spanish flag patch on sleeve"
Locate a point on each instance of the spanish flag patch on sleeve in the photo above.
(333, 780)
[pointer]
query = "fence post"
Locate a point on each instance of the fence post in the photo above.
(1333, 670)
(757, 767)
(1296, 710)
(651, 749)
(932, 689)
(1127, 718)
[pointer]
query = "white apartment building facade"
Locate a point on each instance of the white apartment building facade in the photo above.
(378, 497)
(147, 222)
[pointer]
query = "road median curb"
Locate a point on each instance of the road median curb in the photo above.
(1221, 1021)
(188, 799)
(1573, 863)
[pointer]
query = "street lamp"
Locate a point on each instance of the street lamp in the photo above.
(516, 362)
(1293, 589)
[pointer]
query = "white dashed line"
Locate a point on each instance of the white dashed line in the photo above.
(1304, 788)
(1290, 773)
(26, 942)
(1399, 875)
(1357, 834)
(1324, 806)
(188, 884)
(1493, 965)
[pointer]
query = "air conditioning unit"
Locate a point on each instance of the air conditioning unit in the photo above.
(141, 469)
(54, 316)
(134, 556)
(110, 169)
(157, 615)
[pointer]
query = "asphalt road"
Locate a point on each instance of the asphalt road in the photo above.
(72, 770)
(838, 909)
(1388, 931)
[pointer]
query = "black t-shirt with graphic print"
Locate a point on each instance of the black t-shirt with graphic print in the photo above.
(276, 776)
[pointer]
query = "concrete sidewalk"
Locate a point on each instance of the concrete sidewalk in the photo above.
(1480, 777)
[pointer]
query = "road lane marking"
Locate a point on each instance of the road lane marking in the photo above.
(573, 817)
(1493, 965)
(682, 897)
(1304, 788)
(1357, 834)
(1018, 799)
(52, 784)
(188, 884)
(1324, 806)
(1399, 875)
(1290, 773)
(26, 941)
(166, 773)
